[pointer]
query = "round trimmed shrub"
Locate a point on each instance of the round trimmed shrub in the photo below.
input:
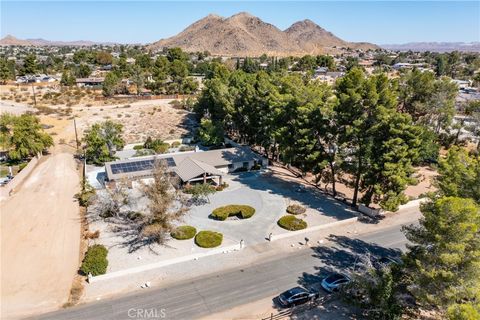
(95, 261)
(292, 223)
(296, 209)
(208, 239)
(241, 211)
(184, 232)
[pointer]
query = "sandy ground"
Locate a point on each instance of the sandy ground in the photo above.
(40, 239)
(154, 118)
(425, 176)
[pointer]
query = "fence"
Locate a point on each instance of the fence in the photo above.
(153, 97)
(295, 310)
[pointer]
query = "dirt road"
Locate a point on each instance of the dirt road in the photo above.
(40, 239)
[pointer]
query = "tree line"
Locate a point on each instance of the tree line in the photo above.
(366, 131)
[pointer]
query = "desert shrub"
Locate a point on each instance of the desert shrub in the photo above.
(134, 215)
(22, 166)
(93, 235)
(184, 232)
(296, 209)
(138, 147)
(95, 261)
(221, 187)
(256, 167)
(85, 196)
(186, 148)
(291, 223)
(241, 211)
(208, 239)
(175, 144)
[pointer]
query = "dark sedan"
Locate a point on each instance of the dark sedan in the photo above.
(296, 296)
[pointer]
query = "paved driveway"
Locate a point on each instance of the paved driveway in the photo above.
(269, 196)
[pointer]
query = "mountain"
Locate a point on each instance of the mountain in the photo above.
(246, 35)
(435, 46)
(10, 40)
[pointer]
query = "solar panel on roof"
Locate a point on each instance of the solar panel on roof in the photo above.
(140, 165)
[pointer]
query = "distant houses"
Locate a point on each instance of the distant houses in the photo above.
(39, 78)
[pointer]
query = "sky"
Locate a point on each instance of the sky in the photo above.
(380, 22)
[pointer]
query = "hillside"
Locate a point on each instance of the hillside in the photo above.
(435, 46)
(246, 35)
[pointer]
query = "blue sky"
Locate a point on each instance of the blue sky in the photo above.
(379, 22)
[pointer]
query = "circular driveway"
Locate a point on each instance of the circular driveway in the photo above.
(268, 208)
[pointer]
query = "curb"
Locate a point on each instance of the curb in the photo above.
(316, 228)
(160, 264)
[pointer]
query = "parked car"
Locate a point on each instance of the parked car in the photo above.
(334, 281)
(296, 296)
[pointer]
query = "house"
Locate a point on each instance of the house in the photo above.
(89, 82)
(329, 77)
(188, 166)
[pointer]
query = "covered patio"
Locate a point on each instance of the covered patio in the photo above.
(191, 170)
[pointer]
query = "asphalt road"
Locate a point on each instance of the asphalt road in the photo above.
(208, 295)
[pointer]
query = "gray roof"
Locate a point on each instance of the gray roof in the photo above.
(191, 168)
(208, 161)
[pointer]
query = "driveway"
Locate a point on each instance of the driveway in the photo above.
(40, 239)
(269, 196)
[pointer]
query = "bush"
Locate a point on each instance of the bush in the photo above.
(221, 187)
(85, 196)
(184, 232)
(256, 167)
(175, 144)
(291, 223)
(242, 211)
(95, 261)
(138, 147)
(186, 148)
(296, 209)
(208, 239)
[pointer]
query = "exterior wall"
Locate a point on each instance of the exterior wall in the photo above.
(18, 179)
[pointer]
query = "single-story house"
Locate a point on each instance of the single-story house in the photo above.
(188, 166)
(90, 82)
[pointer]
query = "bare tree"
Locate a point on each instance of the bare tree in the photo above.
(167, 204)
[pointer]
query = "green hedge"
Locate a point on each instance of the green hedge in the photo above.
(95, 261)
(296, 209)
(208, 239)
(184, 232)
(291, 223)
(242, 211)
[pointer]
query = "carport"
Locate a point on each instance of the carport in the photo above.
(191, 170)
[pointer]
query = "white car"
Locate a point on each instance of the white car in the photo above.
(334, 281)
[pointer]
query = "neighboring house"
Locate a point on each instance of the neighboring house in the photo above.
(39, 78)
(462, 84)
(329, 77)
(188, 166)
(89, 82)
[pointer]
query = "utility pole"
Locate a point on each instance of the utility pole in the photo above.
(34, 96)
(76, 134)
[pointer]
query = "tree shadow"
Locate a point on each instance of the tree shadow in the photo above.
(308, 196)
(346, 256)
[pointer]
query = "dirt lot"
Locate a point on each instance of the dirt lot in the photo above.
(155, 118)
(40, 239)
